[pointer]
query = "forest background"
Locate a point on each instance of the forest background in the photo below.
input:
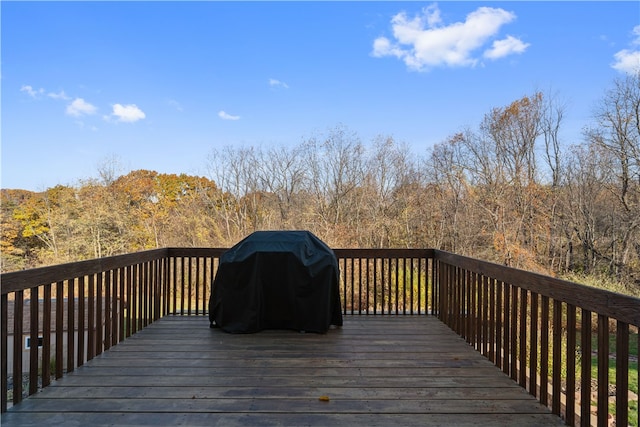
(509, 191)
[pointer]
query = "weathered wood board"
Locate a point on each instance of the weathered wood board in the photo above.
(373, 371)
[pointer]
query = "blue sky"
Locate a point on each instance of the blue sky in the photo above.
(158, 85)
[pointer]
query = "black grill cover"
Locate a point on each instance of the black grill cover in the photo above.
(276, 280)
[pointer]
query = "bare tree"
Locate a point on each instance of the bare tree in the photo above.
(335, 167)
(617, 134)
(281, 172)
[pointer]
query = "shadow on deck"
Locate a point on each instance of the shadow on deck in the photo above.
(374, 371)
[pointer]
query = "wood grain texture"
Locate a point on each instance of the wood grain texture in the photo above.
(375, 371)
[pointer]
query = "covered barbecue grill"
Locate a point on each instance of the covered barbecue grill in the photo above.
(276, 280)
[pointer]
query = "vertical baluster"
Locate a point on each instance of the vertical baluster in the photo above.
(18, 325)
(139, 296)
(514, 333)
(352, 274)
(462, 282)
(359, 285)
(343, 261)
(499, 323)
(479, 305)
(404, 283)
(506, 337)
(59, 328)
(375, 285)
(182, 281)
(603, 370)
(409, 272)
(189, 284)
(622, 373)
(522, 380)
(570, 411)
(34, 333)
(4, 321)
(556, 357)
(153, 300)
(420, 284)
(485, 315)
(71, 326)
(174, 287)
(585, 368)
(491, 341)
(544, 350)
(366, 282)
(144, 308)
(81, 321)
(436, 288)
(122, 301)
(470, 306)
(46, 336)
(390, 285)
(99, 314)
(115, 309)
(208, 279)
(157, 290)
(91, 316)
(480, 311)
(107, 310)
(197, 287)
(128, 301)
(533, 346)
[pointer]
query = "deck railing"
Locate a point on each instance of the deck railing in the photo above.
(545, 333)
(541, 331)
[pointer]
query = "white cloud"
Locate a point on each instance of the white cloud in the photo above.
(80, 107)
(127, 113)
(636, 33)
(505, 47)
(225, 116)
(278, 83)
(29, 90)
(628, 60)
(424, 42)
(59, 95)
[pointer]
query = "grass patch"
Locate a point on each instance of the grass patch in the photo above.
(632, 375)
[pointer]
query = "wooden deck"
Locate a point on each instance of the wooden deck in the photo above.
(375, 371)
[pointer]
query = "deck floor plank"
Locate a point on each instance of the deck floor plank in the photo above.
(375, 371)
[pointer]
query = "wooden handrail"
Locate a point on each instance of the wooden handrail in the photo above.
(611, 304)
(529, 325)
(25, 279)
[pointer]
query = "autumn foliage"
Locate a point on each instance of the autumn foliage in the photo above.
(511, 191)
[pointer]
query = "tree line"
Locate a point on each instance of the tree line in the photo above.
(510, 190)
